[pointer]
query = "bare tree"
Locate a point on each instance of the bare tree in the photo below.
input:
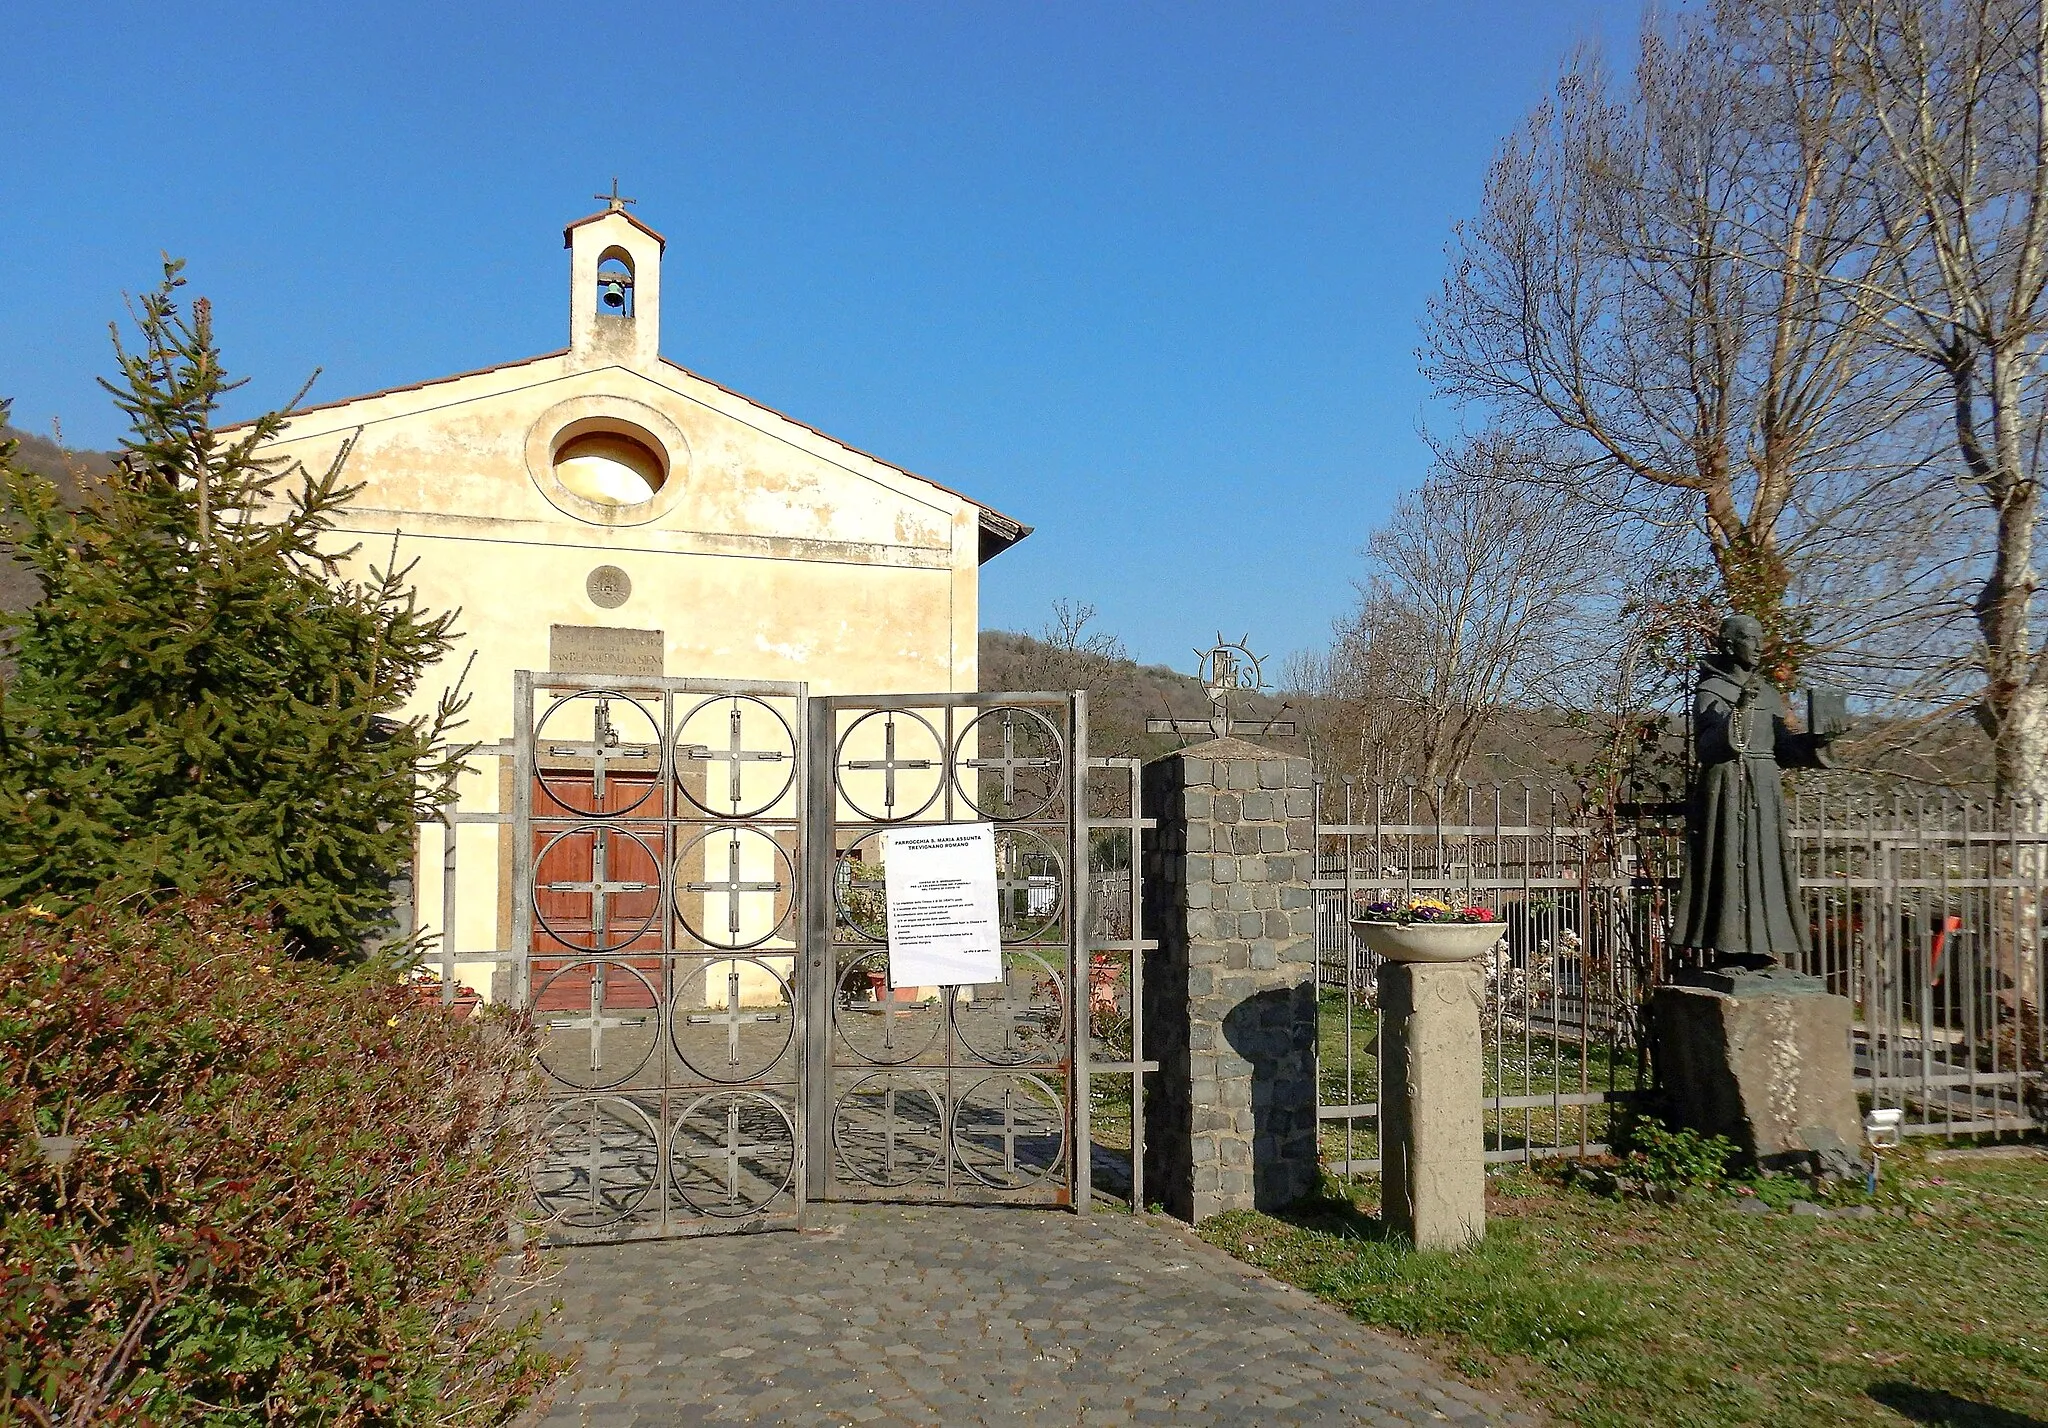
(1649, 287)
(1475, 604)
(1066, 653)
(1068, 631)
(1951, 100)
(1310, 694)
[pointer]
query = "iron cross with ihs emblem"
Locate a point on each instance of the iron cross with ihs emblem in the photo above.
(1230, 673)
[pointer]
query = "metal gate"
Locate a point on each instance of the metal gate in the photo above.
(697, 926)
(947, 1093)
(657, 836)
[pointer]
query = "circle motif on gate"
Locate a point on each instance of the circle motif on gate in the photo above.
(1009, 1131)
(858, 889)
(892, 760)
(722, 1025)
(577, 770)
(599, 1159)
(1030, 884)
(601, 1022)
(1017, 765)
(1021, 1018)
(739, 883)
(731, 1152)
(875, 1023)
(746, 751)
(889, 1129)
(583, 865)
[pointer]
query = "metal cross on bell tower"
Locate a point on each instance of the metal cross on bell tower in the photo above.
(612, 202)
(1230, 674)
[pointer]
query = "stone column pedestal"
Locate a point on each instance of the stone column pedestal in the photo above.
(1763, 1059)
(1432, 1145)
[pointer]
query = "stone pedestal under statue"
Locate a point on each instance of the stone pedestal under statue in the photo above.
(1432, 1146)
(1764, 1059)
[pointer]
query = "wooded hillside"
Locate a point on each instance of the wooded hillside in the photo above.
(74, 473)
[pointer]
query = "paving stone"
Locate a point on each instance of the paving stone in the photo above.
(913, 1315)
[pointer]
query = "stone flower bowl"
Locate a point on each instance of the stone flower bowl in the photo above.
(1429, 941)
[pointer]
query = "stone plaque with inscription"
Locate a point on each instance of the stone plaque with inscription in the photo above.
(603, 649)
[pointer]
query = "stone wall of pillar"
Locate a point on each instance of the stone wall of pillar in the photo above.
(1230, 993)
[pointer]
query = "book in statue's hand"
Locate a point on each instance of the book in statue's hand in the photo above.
(1827, 711)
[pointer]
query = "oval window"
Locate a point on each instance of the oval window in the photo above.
(609, 468)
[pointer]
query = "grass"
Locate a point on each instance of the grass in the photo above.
(1626, 1313)
(1109, 1112)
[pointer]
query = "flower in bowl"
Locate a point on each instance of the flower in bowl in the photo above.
(1425, 909)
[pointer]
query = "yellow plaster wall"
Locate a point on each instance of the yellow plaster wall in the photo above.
(771, 553)
(776, 554)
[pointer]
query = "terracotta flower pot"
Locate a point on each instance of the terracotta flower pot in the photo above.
(1429, 941)
(467, 1003)
(1102, 985)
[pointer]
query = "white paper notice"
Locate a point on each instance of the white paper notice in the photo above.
(940, 881)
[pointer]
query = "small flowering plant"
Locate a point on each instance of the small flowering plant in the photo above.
(1424, 909)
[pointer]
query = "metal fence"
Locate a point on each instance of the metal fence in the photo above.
(1928, 916)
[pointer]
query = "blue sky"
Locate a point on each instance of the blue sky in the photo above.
(1146, 276)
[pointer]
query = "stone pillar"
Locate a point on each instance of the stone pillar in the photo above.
(1230, 994)
(1432, 1145)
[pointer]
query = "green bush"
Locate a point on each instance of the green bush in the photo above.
(1675, 1157)
(241, 1189)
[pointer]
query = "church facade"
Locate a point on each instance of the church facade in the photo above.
(603, 509)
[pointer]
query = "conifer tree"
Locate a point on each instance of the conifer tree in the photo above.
(202, 695)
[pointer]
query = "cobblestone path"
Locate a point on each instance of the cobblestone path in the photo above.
(920, 1315)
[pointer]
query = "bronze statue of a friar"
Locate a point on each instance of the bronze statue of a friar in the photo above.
(1739, 899)
(1745, 1046)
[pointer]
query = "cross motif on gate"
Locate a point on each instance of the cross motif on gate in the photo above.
(1021, 1014)
(730, 1152)
(890, 1120)
(594, 1167)
(733, 1019)
(604, 748)
(732, 887)
(891, 1009)
(1009, 1133)
(597, 1021)
(599, 887)
(1009, 763)
(733, 756)
(1012, 878)
(888, 763)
